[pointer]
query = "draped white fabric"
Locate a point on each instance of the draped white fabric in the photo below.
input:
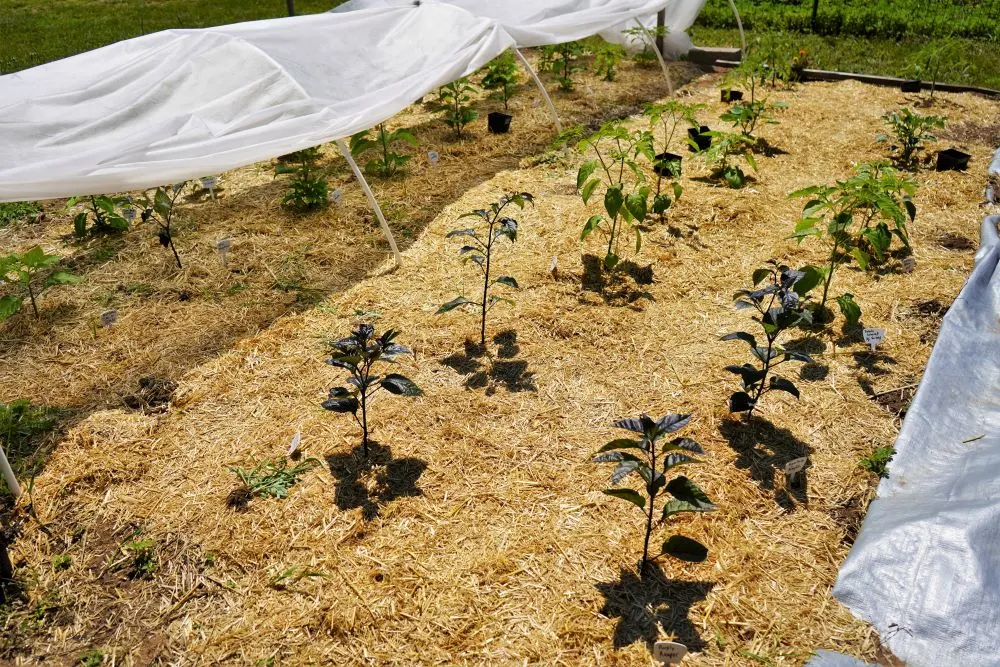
(179, 104)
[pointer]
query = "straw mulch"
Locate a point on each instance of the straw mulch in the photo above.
(480, 535)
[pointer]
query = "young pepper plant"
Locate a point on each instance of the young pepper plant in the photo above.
(668, 116)
(560, 60)
(107, 213)
(617, 171)
(387, 162)
(780, 305)
(480, 253)
(502, 76)
(751, 111)
(24, 270)
(911, 130)
(453, 104)
(651, 461)
(357, 354)
(858, 212)
(307, 189)
(160, 208)
(724, 147)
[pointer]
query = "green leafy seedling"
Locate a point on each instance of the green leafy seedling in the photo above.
(273, 479)
(107, 215)
(357, 354)
(453, 105)
(387, 162)
(651, 461)
(160, 207)
(911, 130)
(878, 461)
(26, 271)
(307, 188)
(560, 60)
(479, 251)
(502, 76)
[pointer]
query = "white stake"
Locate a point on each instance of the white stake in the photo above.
(545, 94)
(659, 56)
(8, 475)
(371, 200)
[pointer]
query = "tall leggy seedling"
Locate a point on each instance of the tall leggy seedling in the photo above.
(780, 306)
(380, 141)
(857, 217)
(616, 172)
(479, 251)
(453, 104)
(358, 354)
(502, 76)
(24, 270)
(651, 458)
(159, 207)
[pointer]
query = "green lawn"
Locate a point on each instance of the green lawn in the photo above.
(33, 32)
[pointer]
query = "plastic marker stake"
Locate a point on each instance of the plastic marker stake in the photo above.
(433, 157)
(210, 183)
(296, 441)
(669, 653)
(223, 246)
(874, 337)
(128, 214)
(335, 196)
(109, 318)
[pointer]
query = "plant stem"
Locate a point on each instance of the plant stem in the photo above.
(177, 257)
(364, 422)
(649, 513)
(486, 281)
(31, 294)
(829, 273)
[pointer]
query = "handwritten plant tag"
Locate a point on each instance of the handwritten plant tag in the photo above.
(210, 183)
(873, 337)
(223, 246)
(433, 157)
(669, 653)
(336, 196)
(128, 214)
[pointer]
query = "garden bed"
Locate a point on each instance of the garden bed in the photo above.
(481, 535)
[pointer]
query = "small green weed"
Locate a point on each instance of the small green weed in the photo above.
(878, 461)
(17, 211)
(269, 479)
(92, 658)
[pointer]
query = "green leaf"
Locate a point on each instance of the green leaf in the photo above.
(508, 281)
(743, 336)
(686, 549)
(810, 279)
(593, 223)
(341, 405)
(688, 498)
(455, 303)
(80, 224)
(781, 384)
(635, 203)
(586, 169)
(63, 278)
(760, 274)
(627, 494)
(613, 200)
(862, 258)
(588, 189)
(661, 203)
(394, 383)
(849, 308)
(9, 305)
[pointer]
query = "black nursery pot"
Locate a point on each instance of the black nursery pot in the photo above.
(499, 122)
(912, 86)
(731, 95)
(697, 137)
(952, 159)
(667, 164)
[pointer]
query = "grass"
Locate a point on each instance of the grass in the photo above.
(33, 32)
(885, 56)
(21, 425)
(17, 211)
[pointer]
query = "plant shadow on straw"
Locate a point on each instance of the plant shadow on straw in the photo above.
(505, 370)
(765, 450)
(622, 286)
(371, 483)
(646, 605)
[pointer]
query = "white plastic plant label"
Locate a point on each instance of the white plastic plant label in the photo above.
(210, 182)
(128, 214)
(336, 196)
(669, 653)
(536, 103)
(873, 337)
(223, 246)
(296, 441)
(433, 157)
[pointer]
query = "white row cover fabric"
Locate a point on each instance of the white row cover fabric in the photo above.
(925, 569)
(179, 104)
(543, 22)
